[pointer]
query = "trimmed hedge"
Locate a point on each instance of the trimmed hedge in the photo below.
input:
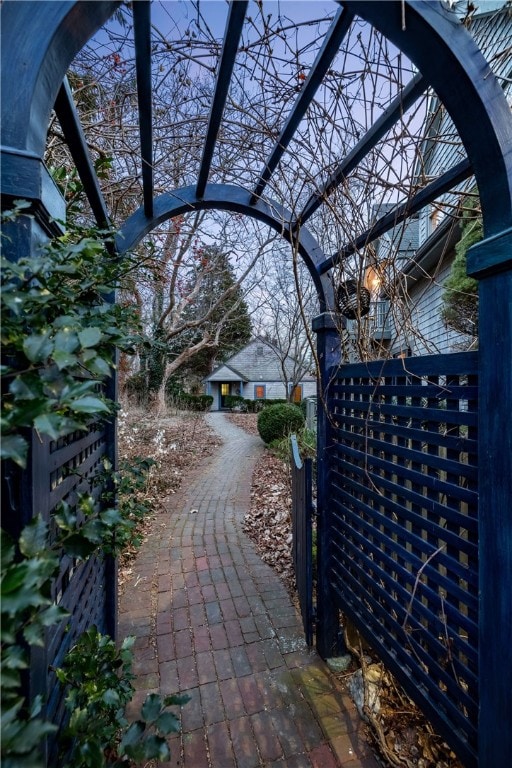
(255, 406)
(235, 401)
(249, 406)
(277, 421)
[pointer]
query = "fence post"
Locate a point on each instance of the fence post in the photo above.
(328, 350)
(488, 261)
(302, 545)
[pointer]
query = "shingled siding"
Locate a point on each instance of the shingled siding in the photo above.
(432, 335)
(442, 148)
(258, 362)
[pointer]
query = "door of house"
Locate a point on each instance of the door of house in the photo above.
(296, 395)
(225, 391)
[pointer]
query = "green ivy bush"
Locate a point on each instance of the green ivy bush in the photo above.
(98, 680)
(60, 332)
(173, 391)
(279, 420)
(175, 395)
(460, 294)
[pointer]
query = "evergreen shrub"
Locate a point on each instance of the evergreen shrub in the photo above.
(277, 421)
(254, 406)
(235, 401)
(460, 297)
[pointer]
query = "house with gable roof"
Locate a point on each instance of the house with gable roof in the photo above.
(259, 371)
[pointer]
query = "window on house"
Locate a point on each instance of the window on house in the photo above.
(259, 351)
(224, 389)
(296, 395)
(259, 391)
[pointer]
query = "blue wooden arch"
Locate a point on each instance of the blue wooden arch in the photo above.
(225, 197)
(39, 42)
(433, 39)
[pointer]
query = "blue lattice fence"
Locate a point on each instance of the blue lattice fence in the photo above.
(403, 526)
(60, 471)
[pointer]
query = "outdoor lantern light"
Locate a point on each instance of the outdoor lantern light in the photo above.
(352, 300)
(373, 279)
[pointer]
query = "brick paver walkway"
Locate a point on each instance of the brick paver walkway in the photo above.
(214, 621)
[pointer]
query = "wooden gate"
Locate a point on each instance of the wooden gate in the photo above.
(403, 527)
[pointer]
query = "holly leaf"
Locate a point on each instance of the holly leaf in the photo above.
(156, 748)
(167, 723)
(131, 738)
(99, 367)
(49, 424)
(14, 447)
(28, 387)
(38, 347)
(89, 337)
(33, 539)
(111, 698)
(19, 592)
(7, 550)
(151, 708)
(66, 341)
(78, 546)
(89, 405)
(52, 615)
(14, 300)
(64, 359)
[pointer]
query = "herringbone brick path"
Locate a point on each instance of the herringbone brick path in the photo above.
(214, 621)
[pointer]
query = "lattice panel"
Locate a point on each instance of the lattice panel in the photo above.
(61, 471)
(403, 492)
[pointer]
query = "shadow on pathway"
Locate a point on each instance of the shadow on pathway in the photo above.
(214, 621)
